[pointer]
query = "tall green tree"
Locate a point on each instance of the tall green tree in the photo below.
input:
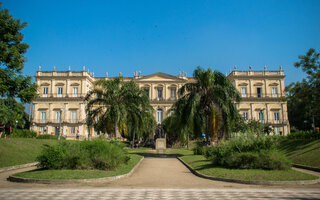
(13, 84)
(304, 97)
(208, 102)
(115, 106)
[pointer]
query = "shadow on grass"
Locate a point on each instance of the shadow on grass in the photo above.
(158, 155)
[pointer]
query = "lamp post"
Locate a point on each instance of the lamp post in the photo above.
(59, 124)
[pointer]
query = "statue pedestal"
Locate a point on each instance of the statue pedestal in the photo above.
(160, 145)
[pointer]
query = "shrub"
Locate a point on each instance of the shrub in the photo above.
(23, 133)
(199, 150)
(310, 135)
(248, 152)
(96, 154)
(47, 136)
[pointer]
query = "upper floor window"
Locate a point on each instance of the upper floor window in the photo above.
(245, 115)
(244, 92)
(259, 92)
(159, 95)
(73, 116)
(43, 117)
(75, 92)
(60, 91)
(276, 116)
(146, 89)
(45, 91)
(173, 95)
(159, 117)
(261, 116)
(58, 116)
(274, 92)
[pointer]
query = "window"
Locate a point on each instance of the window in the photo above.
(159, 115)
(58, 116)
(274, 92)
(259, 92)
(244, 92)
(43, 117)
(276, 116)
(75, 92)
(245, 115)
(56, 130)
(261, 116)
(159, 96)
(60, 91)
(73, 116)
(173, 94)
(72, 130)
(41, 129)
(276, 130)
(45, 92)
(146, 91)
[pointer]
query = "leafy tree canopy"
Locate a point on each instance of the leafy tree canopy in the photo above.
(304, 97)
(12, 82)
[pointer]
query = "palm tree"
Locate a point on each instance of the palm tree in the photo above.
(208, 101)
(114, 104)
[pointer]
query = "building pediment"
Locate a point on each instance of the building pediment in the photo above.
(159, 76)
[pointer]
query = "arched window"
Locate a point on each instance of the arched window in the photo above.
(159, 115)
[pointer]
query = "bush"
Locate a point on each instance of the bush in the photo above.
(23, 133)
(248, 152)
(96, 154)
(199, 150)
(47, 136)
(310, 135)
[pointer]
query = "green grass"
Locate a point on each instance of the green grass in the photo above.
(81, 174)
(16, 151)
(205, 167)
(303, 152)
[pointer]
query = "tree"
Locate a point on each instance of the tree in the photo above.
(208, 102)
(304, 97)
(13, 84)
(115, 106)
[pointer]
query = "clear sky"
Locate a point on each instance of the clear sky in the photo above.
(167, 36)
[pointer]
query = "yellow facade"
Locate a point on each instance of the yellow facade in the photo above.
(62, 93)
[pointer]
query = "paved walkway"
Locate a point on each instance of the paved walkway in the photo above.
(145, 194)
(152, 180)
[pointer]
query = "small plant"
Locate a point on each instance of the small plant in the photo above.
(199, 150)
(23, 133)
(95, 154)
(248, 152)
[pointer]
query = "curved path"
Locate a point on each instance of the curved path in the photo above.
(152, 173)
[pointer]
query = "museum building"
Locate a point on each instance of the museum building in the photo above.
(61, 98)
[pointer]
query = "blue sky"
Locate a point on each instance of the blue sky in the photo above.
(167, 36)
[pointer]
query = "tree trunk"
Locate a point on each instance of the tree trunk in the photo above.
(133, 137)
(188, 140)
(116, 130)
(207, 128)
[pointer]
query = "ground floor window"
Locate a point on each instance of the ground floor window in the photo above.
(72, 130)
(276, 130)
(56, 130)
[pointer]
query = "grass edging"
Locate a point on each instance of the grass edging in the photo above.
(48, 181)
(306, 182)
(4, 169)
(306, 167)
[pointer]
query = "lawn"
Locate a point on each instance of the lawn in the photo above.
(16, 151)
(204, 166)
(303, 152)
(81, 174)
